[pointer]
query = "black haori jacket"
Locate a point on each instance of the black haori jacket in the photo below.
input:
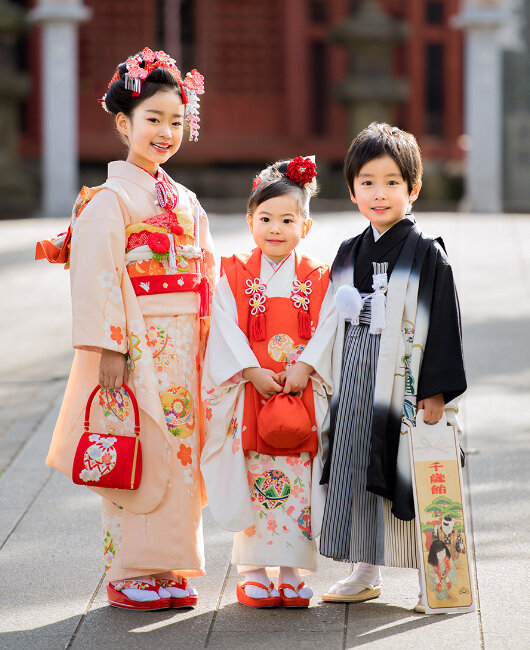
(420, 350)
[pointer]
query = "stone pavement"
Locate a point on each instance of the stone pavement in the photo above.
(52, 591)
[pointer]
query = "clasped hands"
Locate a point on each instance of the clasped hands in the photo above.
(267, 382)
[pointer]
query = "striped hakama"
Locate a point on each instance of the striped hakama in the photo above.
(358, 525)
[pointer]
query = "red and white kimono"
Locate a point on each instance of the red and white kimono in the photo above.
(125, 299)
(273, 502)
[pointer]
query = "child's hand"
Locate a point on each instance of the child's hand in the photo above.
(265, 381)
(296, 377)
(433, 408)
(112, 369)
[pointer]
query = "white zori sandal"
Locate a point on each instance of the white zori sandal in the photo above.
(344, 593)
(364, 583)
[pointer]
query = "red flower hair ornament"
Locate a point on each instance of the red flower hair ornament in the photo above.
(302, 171)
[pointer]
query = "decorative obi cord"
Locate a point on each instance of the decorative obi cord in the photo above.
(163, 253)
(350, 303)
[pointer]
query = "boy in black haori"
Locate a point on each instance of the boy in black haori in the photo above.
(398, 350)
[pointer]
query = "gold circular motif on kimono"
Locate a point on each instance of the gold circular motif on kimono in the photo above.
(115, 404)
(271, 489)
(178, 406)
(279, 347)
(157, 339)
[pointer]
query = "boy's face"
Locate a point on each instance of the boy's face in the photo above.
(277, 226)
(382, 193)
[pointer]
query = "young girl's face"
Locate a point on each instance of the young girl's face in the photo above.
(441, 556)
(382, 193)
(154, 130)
(277, 226)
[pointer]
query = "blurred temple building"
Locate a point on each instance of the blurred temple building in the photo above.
(284, 77)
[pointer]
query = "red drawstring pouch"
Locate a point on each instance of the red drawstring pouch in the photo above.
(284, 421)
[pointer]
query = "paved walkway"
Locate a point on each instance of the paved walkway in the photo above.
(52, 593)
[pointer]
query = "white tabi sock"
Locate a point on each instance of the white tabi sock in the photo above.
(363, 576)
(290, 576)
(258, 575)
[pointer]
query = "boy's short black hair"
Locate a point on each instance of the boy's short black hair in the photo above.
(380, 139)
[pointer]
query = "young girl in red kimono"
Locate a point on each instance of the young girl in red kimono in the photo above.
(141, 261)
(272, 328)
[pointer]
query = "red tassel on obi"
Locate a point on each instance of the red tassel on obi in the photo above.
(304, 324)
(204, 295)
(257, 327)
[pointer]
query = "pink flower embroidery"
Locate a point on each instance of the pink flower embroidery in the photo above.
(290, 510)
(208, 413)
(235, 446)
(272, 524)
(292, 460)
(249, 532)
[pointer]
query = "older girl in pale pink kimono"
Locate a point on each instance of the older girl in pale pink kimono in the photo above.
(141, 264)
(273, 324)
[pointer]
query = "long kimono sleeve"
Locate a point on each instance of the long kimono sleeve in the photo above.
(208, 269)
(229, 352)
(442, 369)
(318, 350)
(97, 267)
(222, 459)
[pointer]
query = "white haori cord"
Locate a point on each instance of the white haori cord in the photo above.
(350, 303)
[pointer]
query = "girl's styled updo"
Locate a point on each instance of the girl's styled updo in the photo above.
(147, 73)
(121, 100)
(296, 177)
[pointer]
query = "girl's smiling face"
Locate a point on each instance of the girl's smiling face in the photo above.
(277, 226)
(154, 130)
(382, 193)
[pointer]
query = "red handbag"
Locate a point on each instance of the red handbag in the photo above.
(109, 460)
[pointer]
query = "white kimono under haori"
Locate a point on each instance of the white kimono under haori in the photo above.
(114, 273)
(273, 503)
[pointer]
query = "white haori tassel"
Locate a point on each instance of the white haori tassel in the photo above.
(378, 298)
(349, 303)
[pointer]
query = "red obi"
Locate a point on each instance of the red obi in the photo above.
(283, 340)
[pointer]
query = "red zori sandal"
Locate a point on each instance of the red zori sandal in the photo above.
(118, 599)
(270, 601)
(183, 599)
(292, 602)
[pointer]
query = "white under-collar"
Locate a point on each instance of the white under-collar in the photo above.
(377, 235)
(274, 265)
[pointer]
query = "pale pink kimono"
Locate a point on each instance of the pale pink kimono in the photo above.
(157, 528)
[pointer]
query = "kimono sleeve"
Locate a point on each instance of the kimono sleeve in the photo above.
(318, 350)
(97, 266)
(442, 369)
(205, 239)
(228, 352)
